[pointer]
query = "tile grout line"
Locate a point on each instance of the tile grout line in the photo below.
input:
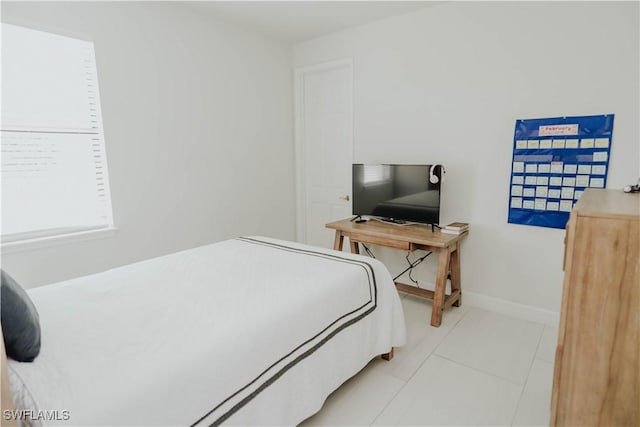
(512, 382)
(432, 353)
(454, 326)
(553, 362)
(490, 373)
(535, 354)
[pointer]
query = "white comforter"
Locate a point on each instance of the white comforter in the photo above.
(245, 331)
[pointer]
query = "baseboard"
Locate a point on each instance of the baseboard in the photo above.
(508, 308)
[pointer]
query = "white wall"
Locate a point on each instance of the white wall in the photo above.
(198, 128)
(447, 83)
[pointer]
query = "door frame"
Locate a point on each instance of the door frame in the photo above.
(299, 131)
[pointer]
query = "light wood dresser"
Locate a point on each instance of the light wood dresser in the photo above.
(597, 367)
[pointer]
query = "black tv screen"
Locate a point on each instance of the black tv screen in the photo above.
(397, 192)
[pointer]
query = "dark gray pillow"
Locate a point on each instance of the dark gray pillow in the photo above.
(20, 321)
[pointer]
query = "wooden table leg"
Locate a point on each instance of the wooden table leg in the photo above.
(441, 285)
(355, 248)
(455, 274)
(388, 356)
(338, 240)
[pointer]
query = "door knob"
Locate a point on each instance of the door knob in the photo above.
(344, 197)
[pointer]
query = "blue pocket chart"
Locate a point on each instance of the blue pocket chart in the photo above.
(554, 160)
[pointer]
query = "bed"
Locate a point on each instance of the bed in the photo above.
(241, 332)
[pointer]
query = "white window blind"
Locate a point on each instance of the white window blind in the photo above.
(54, 168)
(375, 174)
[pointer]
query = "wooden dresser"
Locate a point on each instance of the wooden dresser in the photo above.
(597, 368)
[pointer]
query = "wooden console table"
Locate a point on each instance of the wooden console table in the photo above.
(410, 238)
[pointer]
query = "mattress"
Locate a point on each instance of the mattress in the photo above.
(249, 331)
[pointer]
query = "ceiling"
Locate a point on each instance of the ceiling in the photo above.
(297, 21)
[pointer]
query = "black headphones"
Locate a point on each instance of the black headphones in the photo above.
(433, 175)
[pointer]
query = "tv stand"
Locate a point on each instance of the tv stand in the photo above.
(410, 238)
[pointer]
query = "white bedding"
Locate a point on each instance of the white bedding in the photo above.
(244, 332)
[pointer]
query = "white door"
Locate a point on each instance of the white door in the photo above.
(324, 145)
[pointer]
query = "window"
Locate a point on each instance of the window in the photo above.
(376, 174)
(54, 168)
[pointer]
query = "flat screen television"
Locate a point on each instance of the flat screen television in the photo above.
(398, 193)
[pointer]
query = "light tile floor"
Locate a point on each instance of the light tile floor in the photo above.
(478, 368)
